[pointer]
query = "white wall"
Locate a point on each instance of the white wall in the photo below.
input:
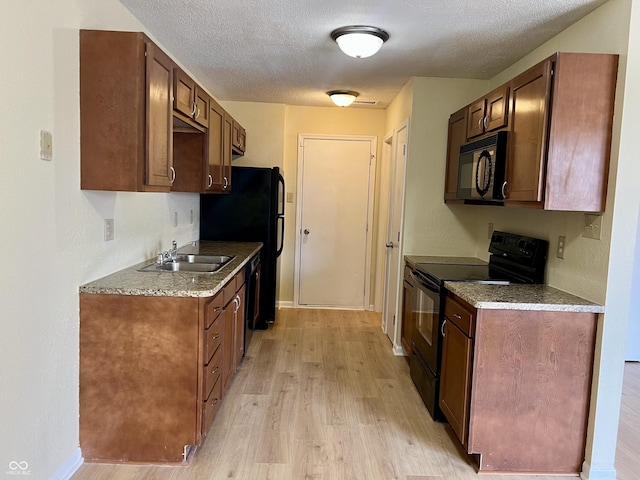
(52, 231)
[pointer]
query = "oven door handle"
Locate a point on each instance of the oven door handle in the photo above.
(425, 282)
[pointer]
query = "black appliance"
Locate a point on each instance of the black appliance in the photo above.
(514, 259)
(253, 211)
(481, 170)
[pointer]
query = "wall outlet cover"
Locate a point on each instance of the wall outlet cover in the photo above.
(109, 229)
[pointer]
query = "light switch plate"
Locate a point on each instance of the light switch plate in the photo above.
(289, 197)
(46, 145)
(561, 240)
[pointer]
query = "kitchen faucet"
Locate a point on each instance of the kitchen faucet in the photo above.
(169, 255)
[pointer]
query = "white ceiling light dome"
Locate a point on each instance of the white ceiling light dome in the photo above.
(359, 41)
(343, 98)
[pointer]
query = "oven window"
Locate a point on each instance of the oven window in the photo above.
(425, 313)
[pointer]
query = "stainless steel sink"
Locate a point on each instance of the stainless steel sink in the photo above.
(190, 263)
(190, 258)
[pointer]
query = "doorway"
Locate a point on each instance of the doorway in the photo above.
(393, 265)
(336, 176)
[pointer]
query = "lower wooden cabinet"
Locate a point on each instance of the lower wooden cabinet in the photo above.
(515, 386)
(153, 372)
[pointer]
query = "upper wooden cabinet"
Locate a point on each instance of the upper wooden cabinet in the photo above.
(190, 99)
(488, 113)
(457, 137)
(215, 148)
(239, 138)
(559, 115)
(561, 121)
(126, 91)
(227, 147)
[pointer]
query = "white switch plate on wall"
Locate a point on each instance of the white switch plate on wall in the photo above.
(592, 226)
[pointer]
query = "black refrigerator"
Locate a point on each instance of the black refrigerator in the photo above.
(252, 212)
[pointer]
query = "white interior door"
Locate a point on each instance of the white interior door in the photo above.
(390, 312)
(335, 197)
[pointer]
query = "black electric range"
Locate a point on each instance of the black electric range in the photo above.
(514, 259)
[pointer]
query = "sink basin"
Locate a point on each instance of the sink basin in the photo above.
(190, 263)
(190, 258)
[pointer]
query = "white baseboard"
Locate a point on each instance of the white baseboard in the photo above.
(603, 473)
(398, 351)
(69, 467)
(280, 304)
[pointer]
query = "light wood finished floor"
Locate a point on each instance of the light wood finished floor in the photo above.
(320, 396)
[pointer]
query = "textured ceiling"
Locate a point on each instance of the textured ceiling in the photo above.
(280, 51)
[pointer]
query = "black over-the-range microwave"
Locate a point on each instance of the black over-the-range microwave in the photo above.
(481, 172)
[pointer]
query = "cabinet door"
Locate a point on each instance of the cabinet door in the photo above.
(529, 120)
(215, 155)
(201, 114)
(228, 345)
(455, 379)
(407, 317)
(497, 108)
(457, 137)
(185, 89)
(159, 91)
(475, 117)
(226, 158)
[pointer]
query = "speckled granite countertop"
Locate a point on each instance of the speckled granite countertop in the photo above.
(130, 281)
(521, 297)
(415, 259)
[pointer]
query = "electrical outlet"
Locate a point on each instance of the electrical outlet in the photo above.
(289, 197)
(175, 219)
(592, 226)
(561, 240)
(490, 231)
(109, 232)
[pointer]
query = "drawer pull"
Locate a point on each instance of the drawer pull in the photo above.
(215, 370)
(216, 336)
(214, 401)
(457, 316)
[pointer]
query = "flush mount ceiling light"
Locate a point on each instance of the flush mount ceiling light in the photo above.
(343, 98)
(359, 41)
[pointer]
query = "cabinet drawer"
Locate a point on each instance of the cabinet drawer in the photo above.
(212, 339)
(407, 274)
(212, 373)
(239, 279)
(211, 406)
(229, 290)
(459, 315)
(213, 309)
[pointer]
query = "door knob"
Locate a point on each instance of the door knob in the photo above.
(389, 245)
(306, 231)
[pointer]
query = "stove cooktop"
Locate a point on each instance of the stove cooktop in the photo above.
(441, 272)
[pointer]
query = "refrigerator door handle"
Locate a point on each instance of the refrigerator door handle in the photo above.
(281, 246)
(281, 206)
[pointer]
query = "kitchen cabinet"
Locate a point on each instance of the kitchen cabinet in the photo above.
(226, 158)
(456, 368)
(407, 325)
(239, 138)
(516, 385)
(153, 371)
(126, 90)
(561, 121)
(456, 138)
(488, 113)
(216, 149)
(190, 99)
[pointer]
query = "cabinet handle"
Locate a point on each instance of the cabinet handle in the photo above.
(480, 124)
(173, 174)
(504, 186)
(226, 183)
(216, 336)
(197, 112)
(214, 402)
(484, 122)
(456, 315)
(442, 327)
(210, 181)
(193, 110)
(215, 370)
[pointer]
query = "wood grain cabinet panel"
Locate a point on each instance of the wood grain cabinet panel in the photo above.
(517, 390)
(488, 113)
(216, 145)
(126, 90)
(456, 138)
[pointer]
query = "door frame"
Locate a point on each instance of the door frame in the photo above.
(394, 279)
(370, 206)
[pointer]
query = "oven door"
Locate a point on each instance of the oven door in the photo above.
(426, 314)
